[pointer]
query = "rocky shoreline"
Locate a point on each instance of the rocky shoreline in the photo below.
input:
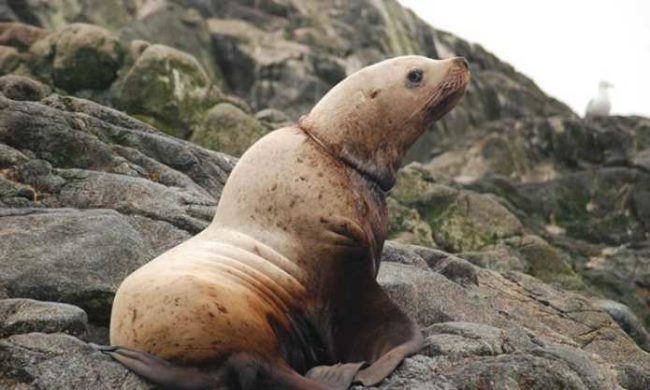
(519, 232)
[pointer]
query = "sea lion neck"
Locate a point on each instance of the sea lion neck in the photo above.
(368, 176)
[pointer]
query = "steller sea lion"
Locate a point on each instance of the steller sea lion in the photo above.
(280, 290)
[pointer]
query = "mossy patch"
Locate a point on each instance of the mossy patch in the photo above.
(473, 221)
(228, 129)
(81, 56)
(406, 226)
(169, 87)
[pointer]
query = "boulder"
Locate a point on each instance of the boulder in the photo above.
(20, 316)
(75, 178)
(273, 119)
(19, 35)
(80, 56)
(472, 222)
(22, 88)
(59, 361)
(167, 88)
(509, 330)
(66, 255)
(405, 225)
(228, 129)
(9, 59)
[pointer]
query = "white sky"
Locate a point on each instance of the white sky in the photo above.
(566, 46)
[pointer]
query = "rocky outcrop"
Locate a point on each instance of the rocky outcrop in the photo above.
(515, 200)
(80, 56)
(228, 128)
(77, 178)
(21, 316)
(504, 330)
(563, 199)
(286, 54)
(163, 86)
(480, 326)
(59, 361)
(166, 87)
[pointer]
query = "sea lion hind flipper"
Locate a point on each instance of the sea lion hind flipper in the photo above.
(159, 371)
(335, 377)
(241, 370)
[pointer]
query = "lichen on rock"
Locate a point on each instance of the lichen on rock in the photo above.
(228, 129)
(80, 56)
(530, 268)
(167, 88)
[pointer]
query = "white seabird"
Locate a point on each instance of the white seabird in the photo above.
(601, 105)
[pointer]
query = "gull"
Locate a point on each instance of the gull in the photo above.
(601, 105)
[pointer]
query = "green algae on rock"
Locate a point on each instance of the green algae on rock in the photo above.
(406, 226)
(167, 88)
(228, 129)
(80, 56)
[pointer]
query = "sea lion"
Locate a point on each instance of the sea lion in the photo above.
(280, 290)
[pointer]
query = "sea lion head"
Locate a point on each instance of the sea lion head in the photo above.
(370, 118)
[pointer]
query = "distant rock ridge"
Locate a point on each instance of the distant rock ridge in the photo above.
(285, 54)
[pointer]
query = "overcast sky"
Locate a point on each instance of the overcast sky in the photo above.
(566, 46)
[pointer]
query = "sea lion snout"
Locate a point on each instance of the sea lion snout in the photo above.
(449, 90)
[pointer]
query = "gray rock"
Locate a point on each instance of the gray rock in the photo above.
(171, 24)
(22, 88)
(642, 160)
(20, 36)
(228, 129)
(6, 13)
(58, 361)
(69, 256)
(10, 157)
(397, 252)
(167, 88)
(273, 119)
(405, 225)
(508, 327)
(627, 320)
(127, 183)
(429, 297)
(521, 371)
(80, 56)
(19, 316)
(75, 133)
(9, 59)
(418, 373)
(458, 339)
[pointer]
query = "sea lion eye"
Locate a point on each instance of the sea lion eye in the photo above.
(414, 76)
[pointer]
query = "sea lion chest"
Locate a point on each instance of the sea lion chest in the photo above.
(293, 196)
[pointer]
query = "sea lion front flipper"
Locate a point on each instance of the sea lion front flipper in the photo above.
(335, 377)
(386, 364)
(371, 327)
